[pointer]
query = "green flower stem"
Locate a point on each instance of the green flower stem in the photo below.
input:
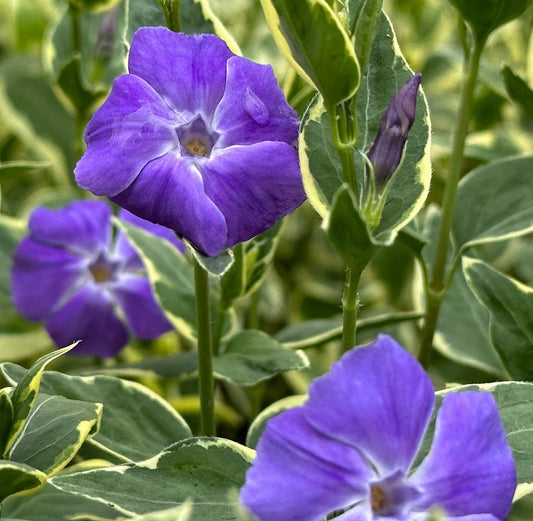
(171, 8)
(219, 327)
(205, 353)
(344, 137)
(349, 308)
(436, 288)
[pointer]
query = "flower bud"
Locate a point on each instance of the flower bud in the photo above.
(385, 153)
(106, 35)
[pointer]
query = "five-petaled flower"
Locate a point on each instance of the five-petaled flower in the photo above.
(196, 139)
(349, 451)
(83, 283)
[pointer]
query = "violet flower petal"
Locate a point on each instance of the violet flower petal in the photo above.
(378, 399)
(473, 517)
(470, 468)
(253, 186)
(143, 315)
(253, 107)
(132, 127)
(188, 71)
(170, 191)
(82, 226)
(301, 475)
(42, 276)
(89, 316)
(124, 249)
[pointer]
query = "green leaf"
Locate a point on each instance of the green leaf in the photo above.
(20, 345)
(181, 513)
(12, 169)
(25, 392)
(136, 422)
(312, 38)
(519, 91)
(49, 504)
(17, 477)
(217, 266)
(347, 231)
(485, 16)
(202, 470)
(321, 167)
(251, 356)
(364, 17)
(7, 413)
(11, 233)
(510, 304)
(494, 203)
(258, 425)
(463, 330)
(54, 431)
(170, 274)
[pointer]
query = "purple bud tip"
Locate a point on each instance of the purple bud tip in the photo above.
(386, 152)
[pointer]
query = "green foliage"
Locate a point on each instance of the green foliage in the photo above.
(312, 38)
(485, 16)
(510, 305)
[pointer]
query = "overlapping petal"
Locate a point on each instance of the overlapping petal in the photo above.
(89, 316)
(253, 108)
(170, 191)
(132, 127)
(135, 296)
(470, 468)
(378, 399)
(253, 186)
(82, 227)
(302, 475)
(189, 71)
(42, 277)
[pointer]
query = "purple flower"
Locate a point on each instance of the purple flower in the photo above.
(196, 139)
(84, 285)
(386, 152)
(350, 449)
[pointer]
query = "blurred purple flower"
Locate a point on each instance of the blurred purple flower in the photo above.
(196, 139)
(386, 152)
(350, 449)
(71, 274)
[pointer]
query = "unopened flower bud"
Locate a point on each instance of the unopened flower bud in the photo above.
(106, 35)
(385, 153)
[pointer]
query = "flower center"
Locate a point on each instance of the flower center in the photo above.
(103, 269)
(377, 498)
(196, 139)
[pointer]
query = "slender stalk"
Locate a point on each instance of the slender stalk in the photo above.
(349, 307)
(438, 282)
(205, 353)
(219, 327)
(171, 9)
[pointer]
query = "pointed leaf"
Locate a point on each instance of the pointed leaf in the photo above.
(17, 477)
(312, 38)
(347, 231)
(54, 432)
(485, 16)
(26, 391)
(202, 470)
(130, 412)
(321, 167)
(252, 356)
(510, 304)
(494, 202)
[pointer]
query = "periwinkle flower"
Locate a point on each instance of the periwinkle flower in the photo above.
(196, 139)
(386, 151)
(348, 452)
(84, 284)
